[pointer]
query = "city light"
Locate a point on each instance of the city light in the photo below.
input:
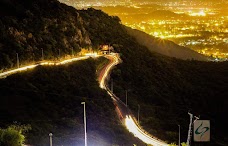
(200, 13)
(186, 23)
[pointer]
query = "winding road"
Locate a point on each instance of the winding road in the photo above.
(122, 110)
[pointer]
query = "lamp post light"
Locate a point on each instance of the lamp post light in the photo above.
(72, 52)
(112, 85)
(126, 98)
(50, 135)
(179, 136)
(189, 130)
(85, 123)
(59, 53)
(18, 64)
(138, 112)
(42, 53)
(190, 127)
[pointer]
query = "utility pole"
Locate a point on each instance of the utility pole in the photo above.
(72, 52)
(59, 53)
(33, 57)
(109, 49)
(18, 63)
(126, 97)
(50, 135)
(190, 128)
(138, 112)
(42, 53)
(179, 136)
(85, 123)
(112, 85)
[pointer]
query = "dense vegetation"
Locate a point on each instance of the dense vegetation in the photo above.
(33, 26)
(49, 98)
(13, 135)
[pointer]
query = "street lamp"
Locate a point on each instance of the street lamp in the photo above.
(59, 54)
(126, 98)
(190, 128)
(42, 53)
(72, 52)
(85, 123)
(112, 85)
(50, 135)
(18, 64)
(179, 136)
(138, 112)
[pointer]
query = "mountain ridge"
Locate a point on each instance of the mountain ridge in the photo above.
(165, 47)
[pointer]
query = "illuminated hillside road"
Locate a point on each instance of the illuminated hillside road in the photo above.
(123, 112)
(24, 68)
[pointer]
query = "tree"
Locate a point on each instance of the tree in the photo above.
(182, 144)
(13, 135)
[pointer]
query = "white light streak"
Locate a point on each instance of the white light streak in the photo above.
(107, 70)
(7, 73)
(129, 122)
(133, 128)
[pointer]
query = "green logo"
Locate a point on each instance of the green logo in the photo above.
(201, 130)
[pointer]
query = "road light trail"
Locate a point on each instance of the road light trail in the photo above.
(106, 71)
(46, 63)
(134, 128)
(121, 109)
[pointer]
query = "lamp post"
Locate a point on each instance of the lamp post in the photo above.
(50, 135)
(179, 136)
(138, 112)
(85, 123)
(59, 53)
(72, 52)
(126, 97)
(190, 128)
(112, 86)
(18, 64)
(42, 53)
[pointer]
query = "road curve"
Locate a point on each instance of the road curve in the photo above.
(122, 110)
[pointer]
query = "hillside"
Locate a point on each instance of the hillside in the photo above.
(165, 47)
(49, 99)
(41, 24)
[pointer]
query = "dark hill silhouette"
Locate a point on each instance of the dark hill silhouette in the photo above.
(165, 47)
